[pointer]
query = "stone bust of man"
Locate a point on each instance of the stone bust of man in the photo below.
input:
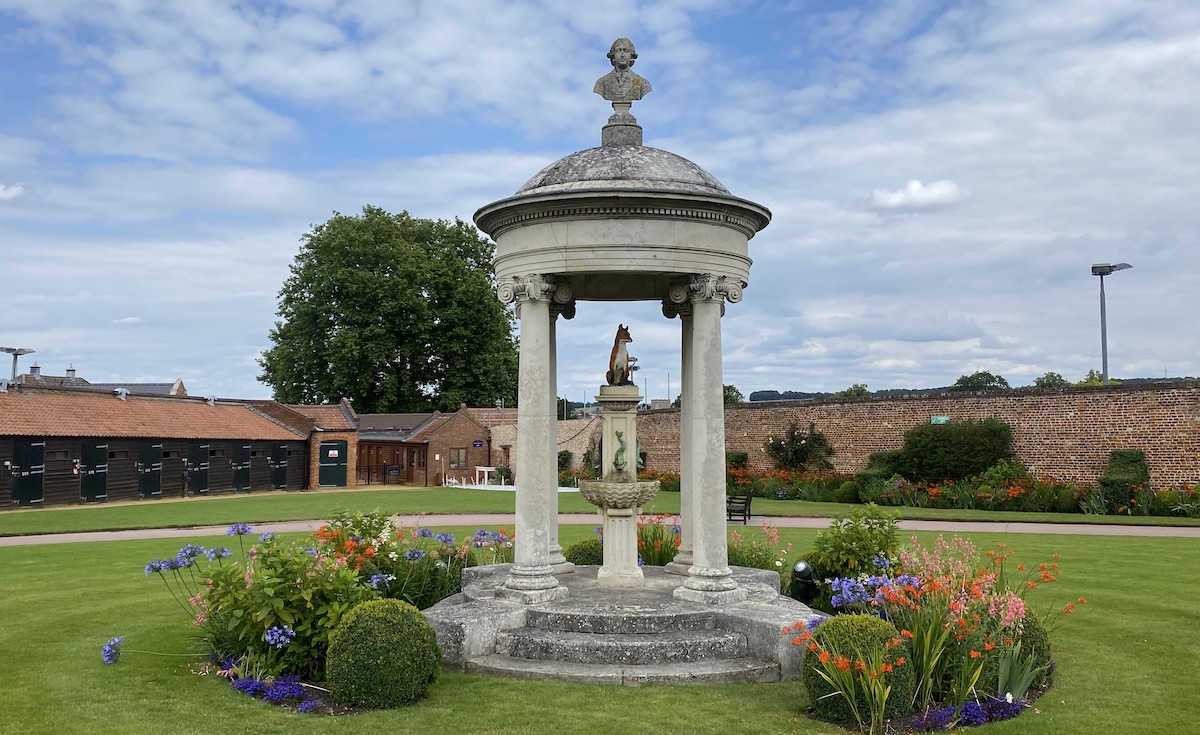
(622, 84)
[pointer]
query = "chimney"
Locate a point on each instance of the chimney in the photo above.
(35, 370)
(71, 372)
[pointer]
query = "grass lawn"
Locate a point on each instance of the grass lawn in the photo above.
(1126, 660)
(295, 506)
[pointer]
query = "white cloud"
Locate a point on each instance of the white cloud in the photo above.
(128, 320)
(11, 192)
(916, 195)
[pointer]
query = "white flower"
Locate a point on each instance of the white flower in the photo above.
(778, 563)
(1008, 697)
(393, 556)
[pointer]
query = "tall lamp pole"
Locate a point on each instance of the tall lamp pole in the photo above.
(1102, 270)
(16, 352)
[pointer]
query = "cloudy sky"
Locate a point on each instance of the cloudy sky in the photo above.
(942, 174)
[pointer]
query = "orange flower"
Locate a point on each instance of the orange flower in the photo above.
(859, 665)
(906, 633)
(824, 657)
(900, 661)
(975, 654)
(1082, 601)
(1020, 567)
(812, 646)
(885, 668)
(988, 646)
(842, 663)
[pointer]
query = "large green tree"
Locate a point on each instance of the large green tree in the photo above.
(982, 380)
(394, 312)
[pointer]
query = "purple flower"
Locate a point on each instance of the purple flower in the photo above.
(381, 580)
(190, 551)
(250, 686)
(156, 566)
(308, 706)
(935, 720)
(282, 689)
(812, 623)
(279, 635)
(414, 555)
(268, 536)
(445, 538)
(112, 650)
(424, 533)
(973, 713)
(217, 552)
(882, 562)
(239, 529)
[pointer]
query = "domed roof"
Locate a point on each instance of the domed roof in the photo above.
(623, 168)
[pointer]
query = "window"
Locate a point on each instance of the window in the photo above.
(216, 452)
(118, 454)
(257, 453)
(172, 454)
(57, 454)
(295, 452)
(458, 458)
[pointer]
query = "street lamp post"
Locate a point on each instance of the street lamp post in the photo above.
(1102, 270)
(16, 352)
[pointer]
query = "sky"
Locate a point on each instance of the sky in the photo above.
(941, 174)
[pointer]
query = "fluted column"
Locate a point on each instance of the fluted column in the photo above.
(531, 579)
(683, 556)
(562, 303)
(710, 579)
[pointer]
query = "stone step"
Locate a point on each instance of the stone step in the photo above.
(720, 671)
(625, 649)
(620, 620)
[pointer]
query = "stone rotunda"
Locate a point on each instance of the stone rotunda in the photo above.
(621, 222)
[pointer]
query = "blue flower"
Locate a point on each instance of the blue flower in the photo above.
(268, 536)
(381, 580)
(217, 552)
(283, 689)
(812, 623)
(190, 551)
(445, 538)
(882, 562)
(424, 533)
(112, 650)
(598, 530)
(308, 706)
(239, 529)
(973, 713)
(279, 635)
(250, 686)
(414, 555)
(156, 566)
(677, 528)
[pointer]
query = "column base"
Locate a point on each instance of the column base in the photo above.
(565, 567)
(531, 597)
(606, 577)
(680, 564)
(711, 597)
(557, 559)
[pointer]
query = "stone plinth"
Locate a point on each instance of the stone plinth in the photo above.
(620, 504)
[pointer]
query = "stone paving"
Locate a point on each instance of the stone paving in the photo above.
(480, 519)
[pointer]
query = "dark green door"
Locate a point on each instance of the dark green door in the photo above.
(241, 468)
(93, 472)
(149, 468)
(197, 469)
(331, 471)
(279, 466)
(29, 469)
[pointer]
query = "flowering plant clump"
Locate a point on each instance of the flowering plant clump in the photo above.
(759, 553)
(493, 547)
(976, 646)
(658, 538)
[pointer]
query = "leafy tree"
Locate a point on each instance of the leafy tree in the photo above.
(394, 312)
(565, 410)
(858, 390)
(1051, 380)
(733, 395)
(1095, 377)
(982, 380)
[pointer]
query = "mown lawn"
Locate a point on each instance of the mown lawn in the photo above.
(296, 506)
(1126, 660)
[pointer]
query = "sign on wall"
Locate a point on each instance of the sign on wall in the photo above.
(477, 443)
(939, 419)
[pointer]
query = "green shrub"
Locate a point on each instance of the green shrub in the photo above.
(847, 493)
(937, 452)
(1004, 472)
(564, 459)
(798, 449)
(585, 553)
(1066, 500)
(846, 548)
(277, 586)
(855, 637)
(383, 654)
(736, 460)
(1125, 475)
(1035, 640)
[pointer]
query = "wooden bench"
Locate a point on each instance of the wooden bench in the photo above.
(737, 507)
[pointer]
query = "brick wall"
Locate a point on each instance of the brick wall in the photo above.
(314, 455)
(575, 435)
(459, 432)
(1064, 434)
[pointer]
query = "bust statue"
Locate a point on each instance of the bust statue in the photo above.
(622, 84)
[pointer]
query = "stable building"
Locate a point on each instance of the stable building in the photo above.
(423, 448)
(66, 445)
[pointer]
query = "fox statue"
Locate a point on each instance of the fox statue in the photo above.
(620, 364)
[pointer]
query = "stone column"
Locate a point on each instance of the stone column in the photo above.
(562, 303)
(683, 557)
(709, 579)
(532, 580)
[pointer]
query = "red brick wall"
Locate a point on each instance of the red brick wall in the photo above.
(1063, 434)
(458, 432)
(314, 455)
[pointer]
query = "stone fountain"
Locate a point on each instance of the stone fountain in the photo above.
(619, 495)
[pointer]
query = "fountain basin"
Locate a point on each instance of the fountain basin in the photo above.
(603, 494)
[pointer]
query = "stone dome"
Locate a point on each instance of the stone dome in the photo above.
(623, 168)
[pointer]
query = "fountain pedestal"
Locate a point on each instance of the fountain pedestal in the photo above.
(619, 496)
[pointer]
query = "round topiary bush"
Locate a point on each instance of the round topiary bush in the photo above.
(1036, 641)
(382, 654)
(587, 552)
(848, 634)
(847, 493)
